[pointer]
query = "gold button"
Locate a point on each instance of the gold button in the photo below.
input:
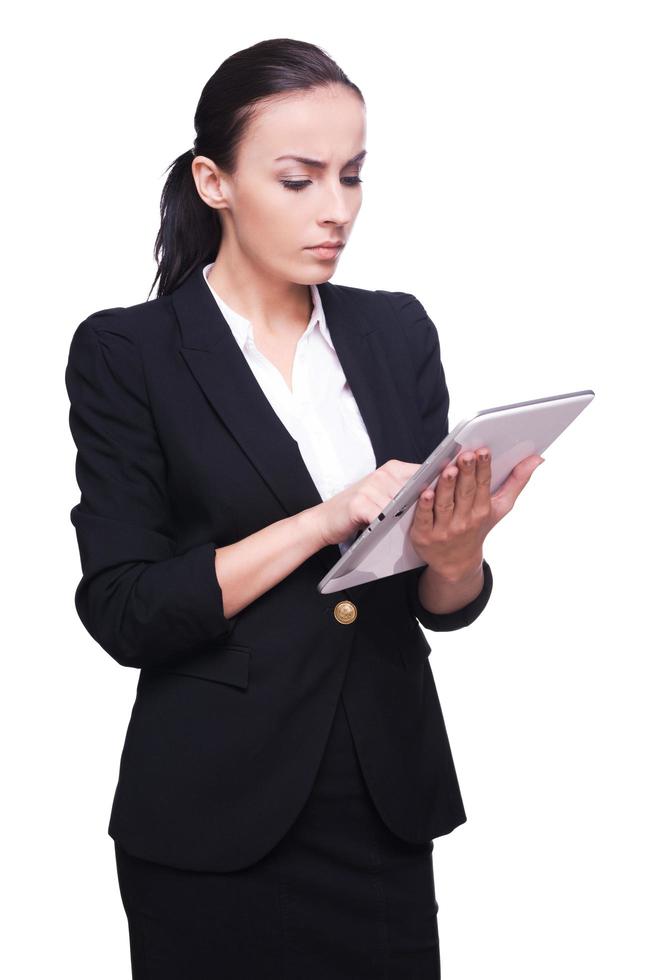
(345, 612)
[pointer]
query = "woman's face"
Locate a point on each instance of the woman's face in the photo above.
(273, 209)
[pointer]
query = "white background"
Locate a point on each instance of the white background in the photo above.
(509, 185)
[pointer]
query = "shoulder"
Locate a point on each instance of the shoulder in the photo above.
(374, 297)
(397, 312)
(108, 349)
(126, 330)
(134, 322)
(390, 308)
(395, 304)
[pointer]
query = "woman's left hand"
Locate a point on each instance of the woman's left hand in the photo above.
(449, 527)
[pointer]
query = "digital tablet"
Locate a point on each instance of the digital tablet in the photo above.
(511, 433)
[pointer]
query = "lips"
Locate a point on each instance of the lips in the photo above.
(325, 251)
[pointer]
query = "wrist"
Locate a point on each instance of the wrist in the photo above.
(456, 575)
(310, 528)
(446, 594)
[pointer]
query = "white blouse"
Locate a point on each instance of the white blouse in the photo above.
(320, 412)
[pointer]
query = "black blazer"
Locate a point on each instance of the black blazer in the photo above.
(179, 452)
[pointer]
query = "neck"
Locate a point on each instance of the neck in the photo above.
(272, 303)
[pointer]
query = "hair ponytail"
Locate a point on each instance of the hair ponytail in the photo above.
(190, 230)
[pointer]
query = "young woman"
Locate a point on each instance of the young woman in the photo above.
(286, 766)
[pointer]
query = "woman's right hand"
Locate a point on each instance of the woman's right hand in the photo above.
(359, 504)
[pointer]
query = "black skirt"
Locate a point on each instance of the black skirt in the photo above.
(339, 897)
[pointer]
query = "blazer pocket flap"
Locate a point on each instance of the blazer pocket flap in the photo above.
(227, 665)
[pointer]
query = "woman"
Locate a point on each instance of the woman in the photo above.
(286, 765)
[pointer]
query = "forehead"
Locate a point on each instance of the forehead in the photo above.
(326, 124)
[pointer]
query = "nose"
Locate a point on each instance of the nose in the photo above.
(339, 205)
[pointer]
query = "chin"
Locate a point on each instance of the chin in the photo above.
(306, 278)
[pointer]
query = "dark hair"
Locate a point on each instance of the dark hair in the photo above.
(190, 230)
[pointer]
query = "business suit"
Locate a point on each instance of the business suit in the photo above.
(191, 457)
(245, 730)
(179, 452)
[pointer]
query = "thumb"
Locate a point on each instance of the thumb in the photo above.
(518, 478)
(526, 467)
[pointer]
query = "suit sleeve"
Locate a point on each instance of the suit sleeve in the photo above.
(141, 601)
(434, 402)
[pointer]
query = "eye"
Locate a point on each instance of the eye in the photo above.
(297, 185)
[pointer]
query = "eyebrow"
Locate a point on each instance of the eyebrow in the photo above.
(320, 164)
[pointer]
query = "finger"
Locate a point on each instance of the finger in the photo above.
(400, 470)
(483, 475)
(466, 484)
(444, 499)
(423, 520)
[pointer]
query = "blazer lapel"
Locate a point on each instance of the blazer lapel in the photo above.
(219, 367)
